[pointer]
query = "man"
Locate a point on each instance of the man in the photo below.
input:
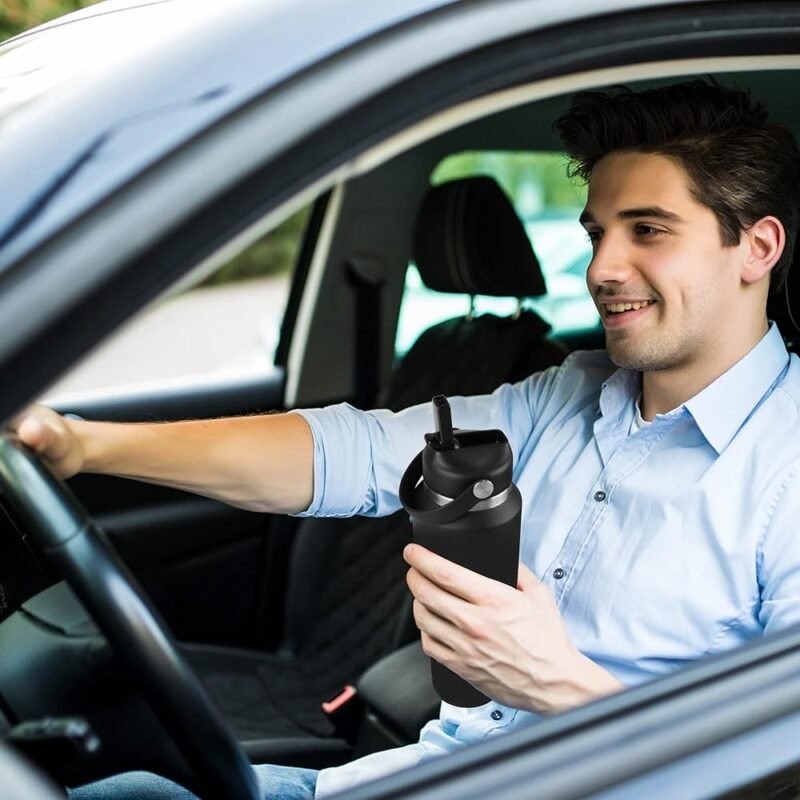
(660, 481)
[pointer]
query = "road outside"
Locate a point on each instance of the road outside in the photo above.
(228, 330)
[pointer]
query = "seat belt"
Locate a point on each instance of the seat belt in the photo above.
(367, 276)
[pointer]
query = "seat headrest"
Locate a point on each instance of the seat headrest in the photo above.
(470, 240)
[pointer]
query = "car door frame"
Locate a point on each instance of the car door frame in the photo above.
(713, 727)
(570, 755)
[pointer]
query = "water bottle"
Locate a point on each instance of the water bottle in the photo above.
(464, 507)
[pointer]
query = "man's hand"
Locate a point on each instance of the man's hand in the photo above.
(509, 643)
(51, 437)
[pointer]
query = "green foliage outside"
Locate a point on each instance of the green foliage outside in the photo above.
(533, 181)
(274, 254)
(19, 15)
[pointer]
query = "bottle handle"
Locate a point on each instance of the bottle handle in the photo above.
(456, 508)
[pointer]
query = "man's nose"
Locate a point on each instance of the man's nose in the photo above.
(610, 263)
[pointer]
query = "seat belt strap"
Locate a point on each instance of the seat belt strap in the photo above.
(368, 277)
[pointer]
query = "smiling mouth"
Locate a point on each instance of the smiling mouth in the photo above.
(620, 315)
(612, 309)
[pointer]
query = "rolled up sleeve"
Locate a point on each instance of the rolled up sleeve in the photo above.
(360, 456)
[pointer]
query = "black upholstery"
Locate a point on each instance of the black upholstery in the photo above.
(469, 240)
(347, 604)
(464, 357)
(783, 306)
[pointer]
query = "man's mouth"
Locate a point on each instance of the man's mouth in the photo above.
(624, 311)
(619, 308)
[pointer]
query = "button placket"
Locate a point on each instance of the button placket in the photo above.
(596, 510)
(617, 463)
(637, 452)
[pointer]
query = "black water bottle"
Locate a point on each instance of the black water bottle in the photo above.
(464, 507)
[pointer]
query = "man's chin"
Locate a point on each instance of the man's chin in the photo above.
(638, 359)
(623, 353)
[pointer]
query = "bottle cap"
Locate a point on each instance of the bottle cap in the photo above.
(455, 459)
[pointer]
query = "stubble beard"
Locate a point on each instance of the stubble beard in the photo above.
(645, 353)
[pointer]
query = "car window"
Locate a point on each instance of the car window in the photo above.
(224, 328)
(549, 205)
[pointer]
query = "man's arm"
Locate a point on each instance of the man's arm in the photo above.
(260, 463)
(510, 643)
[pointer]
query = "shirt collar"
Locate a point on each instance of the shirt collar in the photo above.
(723, 406)
(616, 395)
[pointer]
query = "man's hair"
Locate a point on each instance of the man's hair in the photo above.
(739, 164)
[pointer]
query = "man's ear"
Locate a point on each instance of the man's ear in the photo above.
(764, 242)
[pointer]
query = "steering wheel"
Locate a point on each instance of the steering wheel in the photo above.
(80, 552)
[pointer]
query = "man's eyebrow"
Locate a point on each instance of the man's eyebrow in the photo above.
(650, 211)
(653, 212)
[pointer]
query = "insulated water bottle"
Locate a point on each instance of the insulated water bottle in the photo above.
(464, 507)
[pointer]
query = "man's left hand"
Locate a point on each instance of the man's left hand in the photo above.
(509, 643)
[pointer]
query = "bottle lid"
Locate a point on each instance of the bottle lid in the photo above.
(455, 459)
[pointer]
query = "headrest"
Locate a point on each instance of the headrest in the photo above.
(470, 240)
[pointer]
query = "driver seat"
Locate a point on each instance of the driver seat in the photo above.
(347, 604)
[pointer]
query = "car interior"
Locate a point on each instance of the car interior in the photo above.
(279, 615)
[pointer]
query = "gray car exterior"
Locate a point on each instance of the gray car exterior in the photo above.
(126, 170)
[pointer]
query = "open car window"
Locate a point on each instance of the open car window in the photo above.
(224, 328)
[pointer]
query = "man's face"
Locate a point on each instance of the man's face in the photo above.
(664, 284)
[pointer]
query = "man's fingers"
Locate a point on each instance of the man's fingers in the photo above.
(432, 596)
(452, 577)
(44, 434)
(526, 580)
(51, 437)
(34, 433)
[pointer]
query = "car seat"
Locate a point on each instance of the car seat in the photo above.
(347, 602)
(783, 306)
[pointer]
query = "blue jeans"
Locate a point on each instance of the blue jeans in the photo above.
(275, 783)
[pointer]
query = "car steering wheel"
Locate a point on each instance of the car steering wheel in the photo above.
(79, 551)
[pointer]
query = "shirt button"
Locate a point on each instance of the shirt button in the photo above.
(559, 573)
(497, 715)
(600, 496)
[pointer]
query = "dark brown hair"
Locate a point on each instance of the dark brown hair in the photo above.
(740, 165)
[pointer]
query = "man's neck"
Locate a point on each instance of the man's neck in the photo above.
(665, 390)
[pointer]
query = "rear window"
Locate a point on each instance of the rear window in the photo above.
(549, 205)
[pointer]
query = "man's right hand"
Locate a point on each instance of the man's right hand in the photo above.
(52, 438)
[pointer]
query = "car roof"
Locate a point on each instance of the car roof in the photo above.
(90, 100)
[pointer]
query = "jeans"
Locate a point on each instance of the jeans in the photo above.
(275, 783)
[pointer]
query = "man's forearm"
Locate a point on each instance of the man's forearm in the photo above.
(260, 463)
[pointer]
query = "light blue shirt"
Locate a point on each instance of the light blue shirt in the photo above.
(677, 540)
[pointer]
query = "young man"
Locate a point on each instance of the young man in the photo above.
(661, 479)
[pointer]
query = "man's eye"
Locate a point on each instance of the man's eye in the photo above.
(593, 236)
(647, 230)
